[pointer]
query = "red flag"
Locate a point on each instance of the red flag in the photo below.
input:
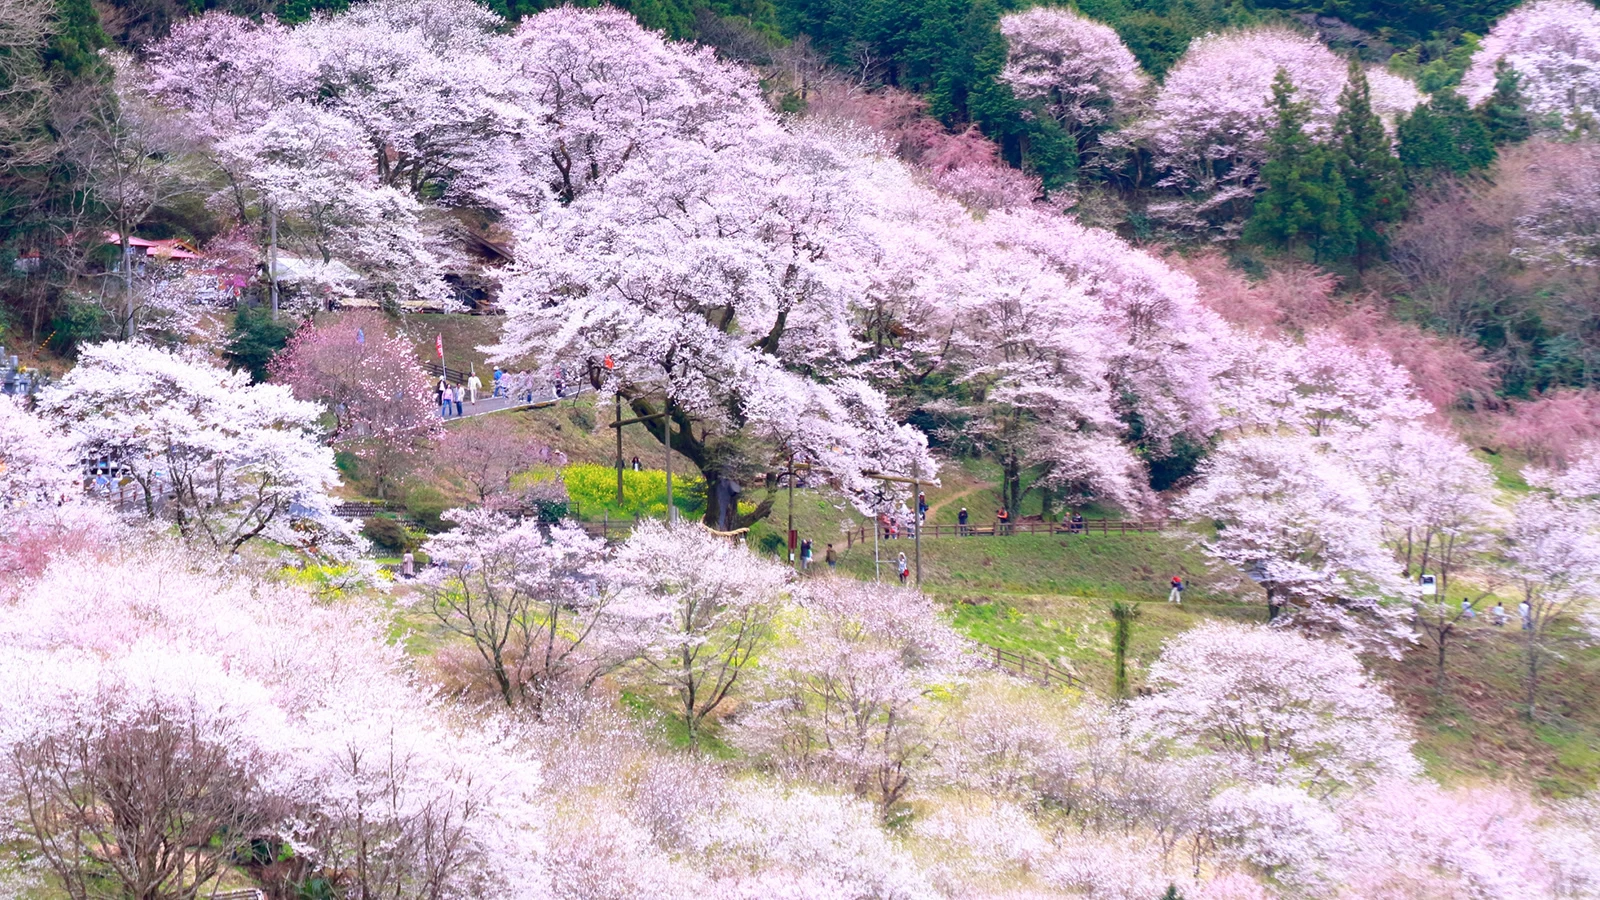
(438, 344)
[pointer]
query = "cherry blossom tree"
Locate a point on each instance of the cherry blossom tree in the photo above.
(707, 606)
(1552, 559)
(1081, 71)
(36, 464)
(313, 173)
(611, 92)
(166, 772)
(1555, 46)
(845, 693)
(1553, 428)
(714, 291)
(1436, 500)
(417, 81)
(964, 165)
(1208, 124)
(1558, 227)
(1303, 525)
(1276, 706)
(532, 601)
(369, 379)
(223, 709)
(488, 454)
(132, 157)
(227, 461)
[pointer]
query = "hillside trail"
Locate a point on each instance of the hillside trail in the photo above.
(972, 489)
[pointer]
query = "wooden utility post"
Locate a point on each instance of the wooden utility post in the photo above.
(272, 258)
(792, 539)
(672, 513)
(916, 489)
(666, 438)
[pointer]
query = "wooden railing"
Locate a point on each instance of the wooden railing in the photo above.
(863, 533)
(1038, 670)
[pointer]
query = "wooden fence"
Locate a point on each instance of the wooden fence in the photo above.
(862, 533)
(1043, 672)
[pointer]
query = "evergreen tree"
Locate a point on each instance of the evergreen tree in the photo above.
(1122, 616)
(1505, 112)
(255, 339)
(74, 50)
(1306, 201)
(1367, 162)
(1443, 137)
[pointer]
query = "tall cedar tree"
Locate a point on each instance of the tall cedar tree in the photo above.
(1443, 137)
(1504, 113)
(1371, 170)
(1306, 202)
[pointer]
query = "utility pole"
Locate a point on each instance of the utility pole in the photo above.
(666, 434)
(877, 574)
(916, 514)
(792, 539)
(916, 483)
(618, 426)
(272, 254)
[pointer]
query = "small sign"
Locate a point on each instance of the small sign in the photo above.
(1429, 587)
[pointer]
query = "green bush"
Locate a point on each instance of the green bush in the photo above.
(78, 322)
(425, 504)
(593, 489)
(255, 339)
(388, 534)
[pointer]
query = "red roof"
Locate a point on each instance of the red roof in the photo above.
(170, 248)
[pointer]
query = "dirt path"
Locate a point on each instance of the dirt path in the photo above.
(972, 489)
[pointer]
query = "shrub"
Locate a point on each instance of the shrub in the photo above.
(388, 534)
(425, 504)
(593, 489)
(255, 338)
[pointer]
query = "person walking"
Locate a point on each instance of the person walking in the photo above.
(474, 385)
(408, 565)
(1467, 611)
(922, 508)
(1176, 594)
(1002, 519)
(498, 388)
(961, 521)
(1498, 614)
(442, 394)
(636, 463)
(455, 396)
(903, 567)
(1526, 612)
(831, 557)
(805, 555)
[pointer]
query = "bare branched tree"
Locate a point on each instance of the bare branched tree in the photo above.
(147, 802)
(132, 157)
(530, 600)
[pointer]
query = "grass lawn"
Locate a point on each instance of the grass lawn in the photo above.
(1112, 567)
(1477, 730)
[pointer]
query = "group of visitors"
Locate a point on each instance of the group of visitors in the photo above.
(1498, 616)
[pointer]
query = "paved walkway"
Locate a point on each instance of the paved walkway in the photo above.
(541, 398)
